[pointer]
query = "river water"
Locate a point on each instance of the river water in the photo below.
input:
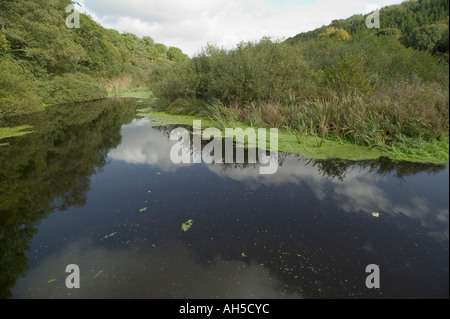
(94, 186)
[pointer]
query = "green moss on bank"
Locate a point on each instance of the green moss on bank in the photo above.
(317, 148)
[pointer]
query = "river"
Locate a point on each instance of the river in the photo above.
(94, 186)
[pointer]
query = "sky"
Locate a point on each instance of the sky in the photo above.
(191, 24)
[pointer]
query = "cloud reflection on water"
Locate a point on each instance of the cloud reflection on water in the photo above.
(361, 190)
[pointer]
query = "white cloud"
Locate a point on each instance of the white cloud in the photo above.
(189, 25)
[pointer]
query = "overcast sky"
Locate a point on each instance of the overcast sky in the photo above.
(191, 24)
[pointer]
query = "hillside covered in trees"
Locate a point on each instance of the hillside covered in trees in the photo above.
(42, 61)
(419, 24)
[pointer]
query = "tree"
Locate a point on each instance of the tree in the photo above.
(427, 37)
(147, 41)
(389, 32)
(335, 33)
(176, 55)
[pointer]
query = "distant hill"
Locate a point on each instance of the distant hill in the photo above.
(416, 22)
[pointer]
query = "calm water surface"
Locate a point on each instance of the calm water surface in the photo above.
(94, 186)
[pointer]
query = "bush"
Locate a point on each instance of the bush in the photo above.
(263, 71)
(72, 87)
(18, 92)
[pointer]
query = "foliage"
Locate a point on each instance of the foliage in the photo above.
(3, 44)
(176, 55)
(428, 38)
(252, 72)
(35, 35)
(18, 93)
(335, 33)
(73, 87)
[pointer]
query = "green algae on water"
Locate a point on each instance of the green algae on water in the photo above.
(6, 132)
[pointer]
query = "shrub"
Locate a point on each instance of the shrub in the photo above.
(72, 87)
(263, 71)
(18, 92)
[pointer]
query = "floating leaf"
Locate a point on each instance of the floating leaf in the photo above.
(143, 210)
(51, 280)
(244, 255)
(185, 226)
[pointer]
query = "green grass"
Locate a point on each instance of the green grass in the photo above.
(419, 150)
(138, 93)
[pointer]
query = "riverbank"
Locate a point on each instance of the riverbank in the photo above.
(313, 147)
(290, 141)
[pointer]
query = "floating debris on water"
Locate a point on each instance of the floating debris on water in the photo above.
(143, 209)
(187, 225)
(376, 214)
(108, 236)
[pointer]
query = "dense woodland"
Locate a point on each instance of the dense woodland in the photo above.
(42, 61)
